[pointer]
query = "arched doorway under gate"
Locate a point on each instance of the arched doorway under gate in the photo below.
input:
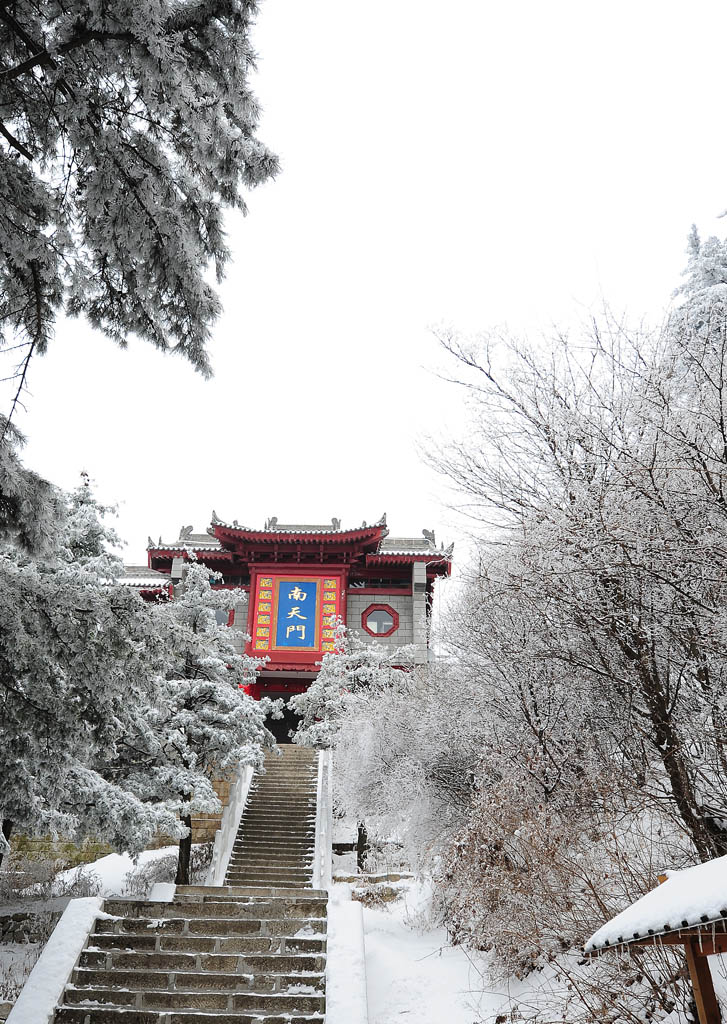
(280, 689)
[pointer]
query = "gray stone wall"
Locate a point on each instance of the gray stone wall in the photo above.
(239, 626)
(419, 611)
(403, 604)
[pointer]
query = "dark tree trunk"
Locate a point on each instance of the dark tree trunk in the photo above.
(362, 846)
(709, 838)
(7, 828)
(185, 852)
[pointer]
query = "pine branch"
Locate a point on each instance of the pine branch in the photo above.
(15, 143)
(42, 57)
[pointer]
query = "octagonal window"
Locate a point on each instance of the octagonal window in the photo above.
(380, 620)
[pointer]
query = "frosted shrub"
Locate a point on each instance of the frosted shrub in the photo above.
(140, 879)
(15, 966)
(21, 877)
(405, 761)
(82, 882)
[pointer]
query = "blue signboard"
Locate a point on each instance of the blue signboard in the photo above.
(296, 614)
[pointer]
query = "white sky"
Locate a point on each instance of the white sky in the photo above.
(470, 162)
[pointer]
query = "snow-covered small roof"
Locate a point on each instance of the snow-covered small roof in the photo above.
(143, 577)
(695, 897)
(195, 541)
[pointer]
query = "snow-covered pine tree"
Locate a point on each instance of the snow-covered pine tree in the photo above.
(351, 676)
(31, 509)
(204, 725)
(126, 128)
(705, 283)
(80, 662)
(352, 672)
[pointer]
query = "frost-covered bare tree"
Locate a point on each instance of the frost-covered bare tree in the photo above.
(595, 622)
(602, 468)
(590, 644)
(125, 129)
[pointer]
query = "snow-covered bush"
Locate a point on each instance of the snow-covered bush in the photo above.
(405, 758)
(140, 879)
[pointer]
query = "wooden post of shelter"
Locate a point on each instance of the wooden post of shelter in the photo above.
(703, 936)
(704, 994)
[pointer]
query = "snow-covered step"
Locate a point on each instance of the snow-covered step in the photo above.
(276, 838)
(239, 955)
(248, 952)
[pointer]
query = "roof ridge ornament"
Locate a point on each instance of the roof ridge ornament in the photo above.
(149, 543)
(185, 533)
(429, 535)
(216, 521)
(271, 523)
(336, 523)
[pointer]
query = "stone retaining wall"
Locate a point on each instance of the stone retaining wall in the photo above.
(27, 926)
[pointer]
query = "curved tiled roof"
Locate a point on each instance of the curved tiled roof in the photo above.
(272, 529)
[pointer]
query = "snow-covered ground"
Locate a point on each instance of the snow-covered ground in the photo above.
(113, 870)
(110, 876)
(413, 974)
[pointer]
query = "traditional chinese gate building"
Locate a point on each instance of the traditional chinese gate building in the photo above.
(299, 579)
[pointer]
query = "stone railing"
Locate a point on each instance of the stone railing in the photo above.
(322, 861)
(226, 833)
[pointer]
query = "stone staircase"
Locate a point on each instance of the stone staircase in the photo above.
(249, 952)
(276, 838)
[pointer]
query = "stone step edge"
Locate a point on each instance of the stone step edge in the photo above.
(267, 996)
(319, 933)
(150, 924)
(153, 905)
(76, 1012)
(223, 889)
(138, 973)
(191, 955)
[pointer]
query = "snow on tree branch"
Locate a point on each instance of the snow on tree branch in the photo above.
(127, 129)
